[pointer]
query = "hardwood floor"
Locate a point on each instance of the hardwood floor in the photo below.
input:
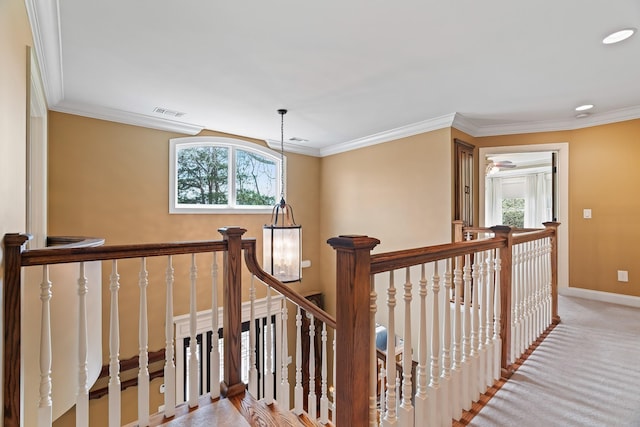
(238, 411)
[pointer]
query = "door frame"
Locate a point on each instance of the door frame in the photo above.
(562, 148)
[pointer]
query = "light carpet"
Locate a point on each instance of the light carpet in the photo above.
(586, 373)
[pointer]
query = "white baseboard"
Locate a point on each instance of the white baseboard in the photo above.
(628, 300)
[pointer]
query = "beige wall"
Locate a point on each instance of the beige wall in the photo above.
(15, 36)
(398, 192)
(603, 175)
(111, 180)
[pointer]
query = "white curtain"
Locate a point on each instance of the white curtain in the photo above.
(537, 200)
(493, 202)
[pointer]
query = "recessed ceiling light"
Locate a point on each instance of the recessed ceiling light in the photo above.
(582, 115)
(619, 36)
(584, 107)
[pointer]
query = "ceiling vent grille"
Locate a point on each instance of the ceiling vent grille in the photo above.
(167, 112)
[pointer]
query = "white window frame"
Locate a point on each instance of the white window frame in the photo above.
(232, 144)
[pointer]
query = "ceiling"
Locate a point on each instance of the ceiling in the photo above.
(351, 73)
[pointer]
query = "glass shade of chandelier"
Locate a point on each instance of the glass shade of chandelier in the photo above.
(282, 239)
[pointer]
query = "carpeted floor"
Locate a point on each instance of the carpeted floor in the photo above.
(586, 373)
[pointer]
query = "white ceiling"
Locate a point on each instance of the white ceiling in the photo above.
(351, 73)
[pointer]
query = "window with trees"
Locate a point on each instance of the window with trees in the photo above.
(213, 174)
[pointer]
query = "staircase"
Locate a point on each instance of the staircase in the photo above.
(475, 306)
(237, 411)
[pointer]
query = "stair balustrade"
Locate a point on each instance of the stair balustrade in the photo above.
(458, 315)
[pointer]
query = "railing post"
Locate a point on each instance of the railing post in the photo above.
(13, 246)
(353, 288)
(232, 314)
(555, 318)
(458, 231)
(505, 295)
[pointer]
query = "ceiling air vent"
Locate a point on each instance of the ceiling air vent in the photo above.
(167, 112)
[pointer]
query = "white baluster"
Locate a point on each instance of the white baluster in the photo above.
(373, 359)
(424, 408)
(390, 417)
(488, 302)
(515, 295)
(456, 389)
(383, 388)
(324, 401)
(436, 401)
(312, 403)
(114, 350)
(82, 398)
(253, 371)
(193, 339)
(475, 326)
(497, 312)
(467, 372)
(268, 368)
(298, 408)
(481, 309)
(445, 385)
(214, 372)
(406, 407)
(169, 362)
(45, 403)
(333, 387)
(143, 340)
(283, 398)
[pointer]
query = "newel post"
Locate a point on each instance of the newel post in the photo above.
(555, 318)
(232, 312)
(458, 231)
(13, 246)
(353, 319)
(506, 270)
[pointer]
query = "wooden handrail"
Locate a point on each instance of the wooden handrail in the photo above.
(60, 255)
(249, 247)
(406, 258)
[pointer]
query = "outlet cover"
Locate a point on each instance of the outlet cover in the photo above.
(623, 276)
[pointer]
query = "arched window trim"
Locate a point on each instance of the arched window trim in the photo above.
(233, 144)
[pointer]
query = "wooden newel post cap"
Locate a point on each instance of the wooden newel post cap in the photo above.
(232, 231)
(551, 224)
(353, 242)
(501, 229)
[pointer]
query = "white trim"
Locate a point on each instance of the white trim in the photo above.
(120, 116)
(232, 144)
(204, 317)
(293, 148)
(390, 135)
(562, 148)
(44, 18)
(597, 119)
(628, 300)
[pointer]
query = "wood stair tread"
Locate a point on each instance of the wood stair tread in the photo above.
(258, 413)
(242, 410)
(220, 413)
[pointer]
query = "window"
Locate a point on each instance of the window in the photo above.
(513, 212)
(222, 175)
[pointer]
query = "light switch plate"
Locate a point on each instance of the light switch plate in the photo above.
(586, 213)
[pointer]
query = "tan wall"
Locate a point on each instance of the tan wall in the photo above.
(111, 180)
(603, 175)
(398, 192)
(15, 36)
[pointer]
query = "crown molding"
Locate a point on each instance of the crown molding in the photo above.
(390, 135)
(126, 117)
(465, 125)
(44, 19)
(597, 119)
(293, 148)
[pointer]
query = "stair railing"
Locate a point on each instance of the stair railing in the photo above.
(153, 263)
(465, 312)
